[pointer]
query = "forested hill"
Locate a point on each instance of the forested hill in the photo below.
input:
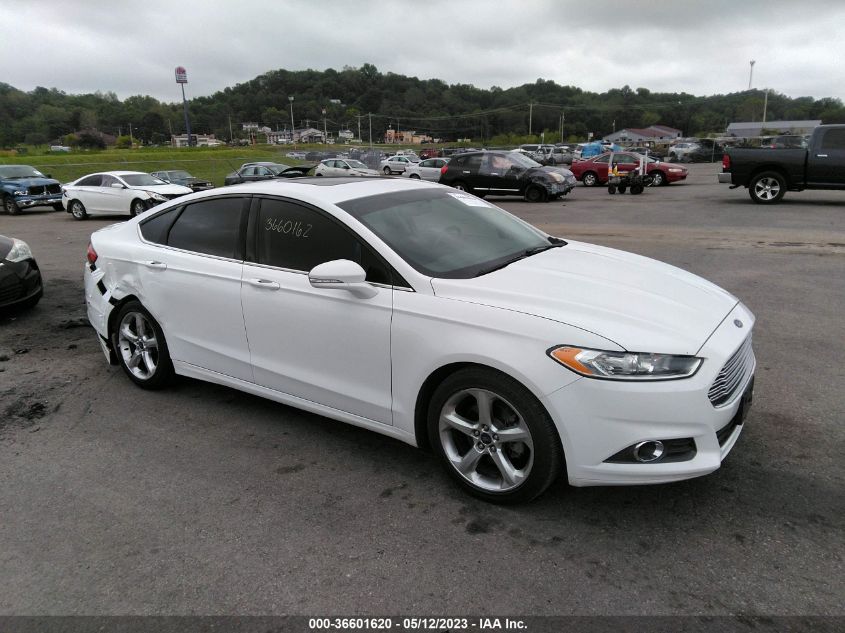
(351, 95)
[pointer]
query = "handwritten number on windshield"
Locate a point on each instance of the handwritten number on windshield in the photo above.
(288, 227)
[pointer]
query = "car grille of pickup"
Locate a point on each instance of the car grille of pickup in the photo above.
(40, 190)
(733, 375)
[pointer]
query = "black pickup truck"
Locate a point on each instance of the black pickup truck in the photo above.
(770, 173)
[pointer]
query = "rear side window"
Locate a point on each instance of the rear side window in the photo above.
(211, 227)
(834, 139)
(156, 228)
(90, 181)
(471, 162)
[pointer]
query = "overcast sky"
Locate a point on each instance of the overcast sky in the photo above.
(700, 47)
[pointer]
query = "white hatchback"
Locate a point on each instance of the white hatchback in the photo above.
(434, 317)
(117, 192)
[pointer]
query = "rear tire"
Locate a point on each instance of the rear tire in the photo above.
(590, 179)
(141, 349)
(77, 210)
(495, 439)
(767, 187)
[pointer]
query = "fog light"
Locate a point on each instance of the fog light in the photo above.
(650, 451)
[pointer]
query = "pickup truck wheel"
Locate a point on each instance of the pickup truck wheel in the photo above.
(767, 187)
(58, 206)
(11, 206)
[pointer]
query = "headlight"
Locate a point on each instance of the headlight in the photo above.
(20, 251)
(676, 170)
(595, 363)
(20, 193)
(156, 196)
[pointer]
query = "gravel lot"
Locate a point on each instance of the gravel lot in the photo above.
(203, 500)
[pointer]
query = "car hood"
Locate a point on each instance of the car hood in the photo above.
(35, 181)
(165, 190)
(638, 303)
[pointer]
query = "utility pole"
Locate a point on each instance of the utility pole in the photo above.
(325, 131)
(231, 136)
(290, 98)
(359, 126)
(530, 115)
(765, 103)
(751, 74)
(132, 140)
(371, 129)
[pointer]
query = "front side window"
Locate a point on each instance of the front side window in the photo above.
(444, 233)
(298, 238)
(211, 227)
(90, 181)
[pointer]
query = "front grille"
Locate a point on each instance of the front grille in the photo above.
(38, 190)
(54, 188)
(11, 293)
(733, 375)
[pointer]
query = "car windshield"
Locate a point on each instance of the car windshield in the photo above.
(523, 161)
(276, 168)
(444, 233)
(178, 175)
(356, 164)
(20, 171)
(141, 180)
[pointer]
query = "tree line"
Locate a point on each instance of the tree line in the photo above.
(365, 99)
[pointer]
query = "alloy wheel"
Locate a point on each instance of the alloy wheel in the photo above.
(138, 346)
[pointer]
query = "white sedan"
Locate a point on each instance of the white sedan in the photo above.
(436, 318)
(343, 167)
(117, 192)
(397, 164)
(428, 169)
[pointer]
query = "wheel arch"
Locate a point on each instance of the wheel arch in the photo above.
(436, 377)
(759, 169)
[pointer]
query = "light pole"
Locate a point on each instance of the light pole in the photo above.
(751, 74)
(182, 79)
(290, 98)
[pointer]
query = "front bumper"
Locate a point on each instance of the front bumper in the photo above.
(19, 282)
(24, 202)
(599, 418)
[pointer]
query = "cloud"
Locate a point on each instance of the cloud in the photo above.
(697, 47)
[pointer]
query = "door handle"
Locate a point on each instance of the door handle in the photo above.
(154, 264)
(821, 155)
(467, 172)
(263, 283)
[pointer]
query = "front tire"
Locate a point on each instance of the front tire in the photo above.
(534, 194)
(658, 178)
(137, 207)
(494, 437)
(58, 206)
(386, 171)
(414, 176)
(11, 206)
(590, 179)
(767, 187)
(77, 210)
(141, 348)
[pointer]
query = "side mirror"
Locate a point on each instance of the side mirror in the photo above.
(117, 185)
(342, 274)
(346, 166)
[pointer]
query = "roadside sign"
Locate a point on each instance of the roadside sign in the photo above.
(181, 75)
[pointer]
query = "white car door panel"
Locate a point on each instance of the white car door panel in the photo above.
(327, 346)
(195, 296)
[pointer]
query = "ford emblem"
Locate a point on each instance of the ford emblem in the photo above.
(737, 323)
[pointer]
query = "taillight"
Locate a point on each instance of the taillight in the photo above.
(444, 169)
(726, 162)
(92, 254)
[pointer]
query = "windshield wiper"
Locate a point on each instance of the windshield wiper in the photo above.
(526, 253)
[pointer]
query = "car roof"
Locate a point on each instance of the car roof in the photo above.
(328, 190)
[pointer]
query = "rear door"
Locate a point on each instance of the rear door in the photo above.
(826, 161)
(190, 269)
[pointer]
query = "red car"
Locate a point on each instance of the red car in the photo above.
(593, 171)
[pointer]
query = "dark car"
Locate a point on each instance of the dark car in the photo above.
(181, 177)
(20, 279)
(506, 174)
(22, 186)
(645, 151)
(250, 172)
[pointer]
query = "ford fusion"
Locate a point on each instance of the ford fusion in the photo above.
(429, 315)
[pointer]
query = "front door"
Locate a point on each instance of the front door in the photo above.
(323, 345)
